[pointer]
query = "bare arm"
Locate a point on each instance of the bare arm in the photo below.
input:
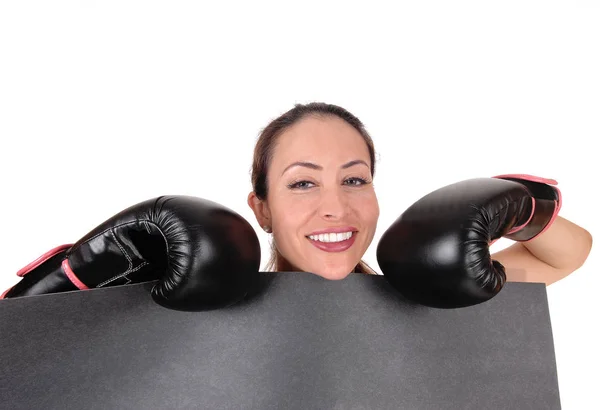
(551, 256)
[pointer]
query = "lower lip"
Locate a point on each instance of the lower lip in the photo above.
(334, 246)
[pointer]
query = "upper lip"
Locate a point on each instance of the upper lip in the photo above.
(340, 229)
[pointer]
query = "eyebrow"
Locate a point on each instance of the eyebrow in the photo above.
(318, 167)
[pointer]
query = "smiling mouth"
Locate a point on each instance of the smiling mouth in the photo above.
(333, 242)
(332, 237)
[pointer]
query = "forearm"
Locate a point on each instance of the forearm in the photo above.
(565, 246)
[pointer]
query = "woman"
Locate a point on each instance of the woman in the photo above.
(312, 178)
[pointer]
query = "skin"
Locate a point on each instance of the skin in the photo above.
(559, 251)
(334, 196)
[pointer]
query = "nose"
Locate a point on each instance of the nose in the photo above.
(334, 203)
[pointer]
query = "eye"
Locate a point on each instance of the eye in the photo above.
(355, 181)
(300, 185)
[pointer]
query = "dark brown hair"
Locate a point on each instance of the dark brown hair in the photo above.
(263, 153)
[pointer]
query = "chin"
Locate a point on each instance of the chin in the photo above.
(334, 273)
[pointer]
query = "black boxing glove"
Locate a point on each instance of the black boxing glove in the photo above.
(437, 252)
(204, 255)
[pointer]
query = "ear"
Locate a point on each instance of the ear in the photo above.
(260, 209)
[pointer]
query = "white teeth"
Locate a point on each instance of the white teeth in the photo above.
(331, 237)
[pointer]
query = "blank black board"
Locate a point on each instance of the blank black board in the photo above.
(299, 342)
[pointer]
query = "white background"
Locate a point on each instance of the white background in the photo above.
(104, 104)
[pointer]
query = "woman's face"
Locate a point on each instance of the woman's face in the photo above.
(321, 204)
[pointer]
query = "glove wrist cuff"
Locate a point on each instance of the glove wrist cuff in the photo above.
(545, 204)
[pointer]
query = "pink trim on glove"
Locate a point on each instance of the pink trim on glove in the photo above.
(71, 275)
(65, 267)
(528, 177)
(24, 271)
(547, 181)
(556, 211)
(5, 292)
(518, 228)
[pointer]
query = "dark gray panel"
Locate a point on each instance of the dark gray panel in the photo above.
(302, 342)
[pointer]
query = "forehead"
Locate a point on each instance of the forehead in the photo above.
(323, 140)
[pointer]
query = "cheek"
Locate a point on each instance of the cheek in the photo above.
(367, 208)
(292, 212)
